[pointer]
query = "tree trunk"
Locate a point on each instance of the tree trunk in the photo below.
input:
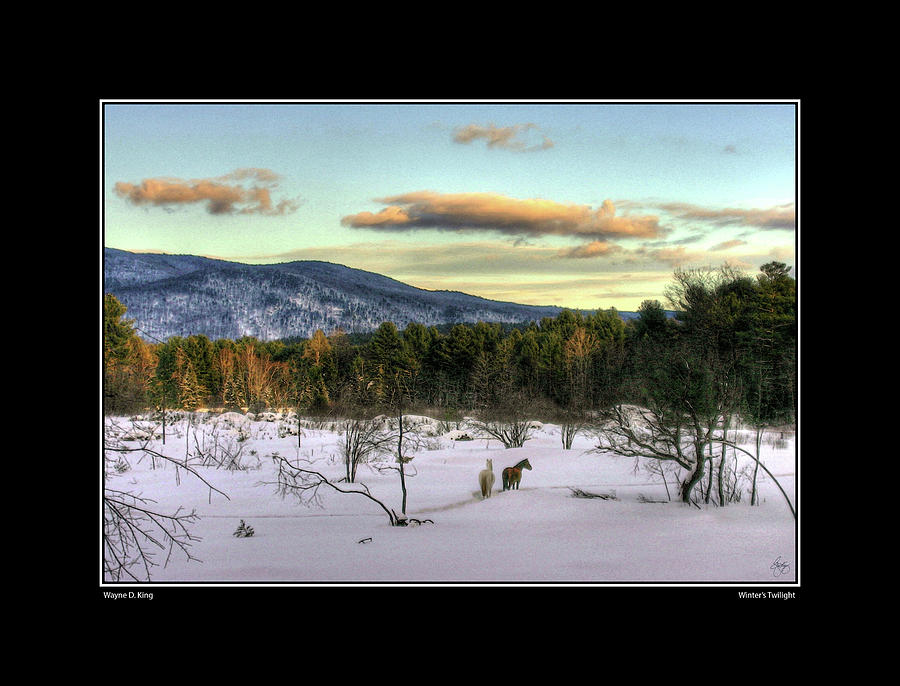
(401, 461)
(722, 463)
(771, 476)
(695, 477)
(754, 496)
(665, 483)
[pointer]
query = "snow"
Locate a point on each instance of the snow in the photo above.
(539, 534)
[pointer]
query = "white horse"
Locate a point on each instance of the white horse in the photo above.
(486, 479)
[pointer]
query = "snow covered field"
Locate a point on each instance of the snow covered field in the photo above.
(540, 534)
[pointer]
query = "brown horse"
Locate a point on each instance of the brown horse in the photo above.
(513, 475)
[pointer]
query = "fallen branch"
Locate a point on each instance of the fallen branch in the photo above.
(402, 520)
(578, 493)
(642, 499)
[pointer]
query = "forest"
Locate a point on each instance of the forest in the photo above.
(729, 352)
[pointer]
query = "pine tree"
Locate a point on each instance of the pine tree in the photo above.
(190, 392)
(127, 362)
(116, 331)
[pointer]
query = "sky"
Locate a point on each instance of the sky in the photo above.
(580, 204)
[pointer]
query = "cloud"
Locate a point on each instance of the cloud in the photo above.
(497, 213)
(679, 256)
(784, 253)
(506, 137)
(242, 191)
(778, 217)
(675, 256)
(592, 249)
(726, 245)
(533, 274)
(530, 274)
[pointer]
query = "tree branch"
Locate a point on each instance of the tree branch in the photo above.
(764, 468)
(295, 473)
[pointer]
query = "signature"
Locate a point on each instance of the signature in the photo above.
(779, 567)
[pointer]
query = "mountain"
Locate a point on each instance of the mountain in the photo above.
(181, 295)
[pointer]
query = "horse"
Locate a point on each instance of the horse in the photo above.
(486, 479)
(513, 475)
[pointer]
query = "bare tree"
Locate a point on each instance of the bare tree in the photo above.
(632, 431)
(682, 402)
(304, 484)
(765, 469)
(363, 439)
(399, 430)
(405, 438)
(133, 528)
(507, 412)
(512, 421)
(573, 419)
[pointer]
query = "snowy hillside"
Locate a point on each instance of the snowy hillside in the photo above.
(621, 530)
(182, 295)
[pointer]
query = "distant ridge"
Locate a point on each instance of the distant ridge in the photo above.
(183, 295)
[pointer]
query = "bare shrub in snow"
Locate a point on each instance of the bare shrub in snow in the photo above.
(134, 530)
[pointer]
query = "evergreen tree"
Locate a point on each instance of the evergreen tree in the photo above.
(201, 353)
(190, 392)
(116, 330)
(528, 360)
(651, 321)
(126, 361)
(386, 349)
(440, 373)
(769, 354)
